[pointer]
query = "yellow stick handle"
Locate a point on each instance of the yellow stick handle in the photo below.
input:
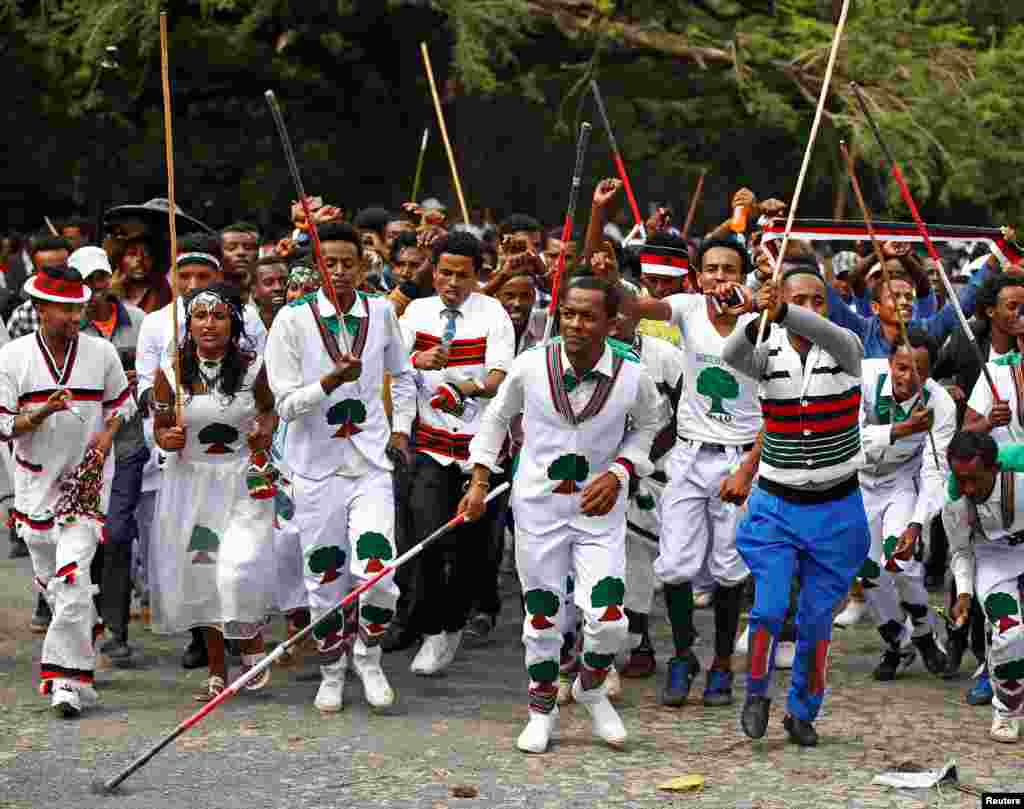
(169, 145)
(444, 132)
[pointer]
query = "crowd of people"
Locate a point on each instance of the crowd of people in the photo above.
(263, 426)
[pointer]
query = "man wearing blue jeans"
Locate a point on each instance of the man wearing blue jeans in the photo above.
(806, 516)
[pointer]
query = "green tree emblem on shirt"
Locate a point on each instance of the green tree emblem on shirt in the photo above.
(718, 385)
(377, 618)
(219, 438)
(889, 548)
(349, 414)
(202, 544)
(542, 605)
(327, 561)
(609, 593)
(330, 631)
(374, 547)
(570, 470)
(1002, 610)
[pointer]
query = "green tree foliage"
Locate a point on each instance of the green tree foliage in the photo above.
(721, 85)
(375, 547)
(328, 560)
(203, 543)
(1002, 610)
(718, 385)
(542, 605)
(609, 592)
(348, 413)
(219, 437)
(570, 470)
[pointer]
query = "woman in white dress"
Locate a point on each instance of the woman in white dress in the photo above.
(213, 560)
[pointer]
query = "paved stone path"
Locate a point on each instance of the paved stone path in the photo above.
(274, 750)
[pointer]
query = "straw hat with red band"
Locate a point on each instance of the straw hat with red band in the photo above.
(658, 260)
(58, 285)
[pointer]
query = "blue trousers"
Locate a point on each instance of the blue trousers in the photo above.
(824, 545)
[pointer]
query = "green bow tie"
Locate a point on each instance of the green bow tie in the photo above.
(892, 412)
(570, 381)
(889, 411)
(351, 323)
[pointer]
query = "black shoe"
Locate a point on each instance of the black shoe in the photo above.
(480, 627)
(195, 656)
(754, 718)
(41, 617)
(117, 648)
(398, 637)
(956, 645)
(19, 550)
(800, 731)
(892, 662)
(934, 658)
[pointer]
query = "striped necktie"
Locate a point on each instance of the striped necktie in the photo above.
(449, 326)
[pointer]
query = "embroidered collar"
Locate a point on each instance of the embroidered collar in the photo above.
(890, 411)
(558, 367)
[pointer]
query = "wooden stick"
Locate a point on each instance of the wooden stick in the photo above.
(886, 278)
(172, 210)
(49, 224)
(690, 215)
(444, 131)
(777, 270)
(419, 165)
(694, 202)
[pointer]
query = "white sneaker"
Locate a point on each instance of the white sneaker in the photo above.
(853, 614)
(701, 601)
(87, 696)
(785, 655)
(538, 731)
(366, 663)
(743, 642)
(453, 641)
(607, 725)
(1005, 730)
(329, 697)
(613, 684)
(429, 659)
(65, 701)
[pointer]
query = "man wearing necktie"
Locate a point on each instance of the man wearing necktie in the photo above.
(903, 485)
(462, 343)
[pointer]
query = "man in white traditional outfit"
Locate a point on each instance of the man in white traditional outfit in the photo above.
(337, 447)
(906, 426)
(63, 397)
(984, 521)
(710, 468)
(569, 500)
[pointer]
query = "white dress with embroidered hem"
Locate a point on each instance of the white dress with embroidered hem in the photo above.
(212, 558)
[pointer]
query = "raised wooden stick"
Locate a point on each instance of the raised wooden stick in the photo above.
(777, 270)
(172, 211)
(49, 224)
(444, 131)
(886, 278)
(694, 202)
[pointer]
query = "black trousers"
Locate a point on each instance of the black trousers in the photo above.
(459, 567)
(409, 576)
(111, 567)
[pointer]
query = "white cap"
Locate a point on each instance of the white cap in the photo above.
(88, 260)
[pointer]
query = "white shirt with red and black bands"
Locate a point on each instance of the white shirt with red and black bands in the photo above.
(99, 389)
(485, 341)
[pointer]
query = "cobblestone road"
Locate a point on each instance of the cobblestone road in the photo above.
(274, 750)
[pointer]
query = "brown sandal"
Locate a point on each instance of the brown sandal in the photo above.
(214, 687)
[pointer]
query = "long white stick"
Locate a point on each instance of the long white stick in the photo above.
(807, 155)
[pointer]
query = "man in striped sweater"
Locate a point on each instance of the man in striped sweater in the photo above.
(806, 516)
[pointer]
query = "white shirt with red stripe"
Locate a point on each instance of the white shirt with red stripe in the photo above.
(485, 341)
(99, 390)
